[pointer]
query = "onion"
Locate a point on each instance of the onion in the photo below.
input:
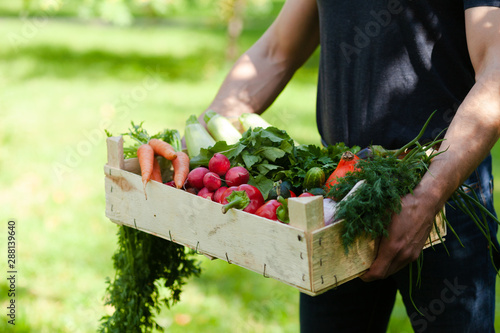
(329, 208)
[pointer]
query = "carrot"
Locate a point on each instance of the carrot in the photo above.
(181, 169)
(163, 148)
(156, 174)
(145, 155)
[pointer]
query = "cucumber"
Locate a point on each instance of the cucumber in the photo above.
(284, 190)
(315, 177)
(317, 191)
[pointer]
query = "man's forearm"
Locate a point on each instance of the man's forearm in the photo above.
(253, 83)
(473, 132)
(471, 135)
(262, 72)
(476, 126)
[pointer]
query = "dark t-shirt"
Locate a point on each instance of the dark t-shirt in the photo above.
(386, 65)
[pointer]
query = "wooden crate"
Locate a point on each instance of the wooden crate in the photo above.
(304, 254)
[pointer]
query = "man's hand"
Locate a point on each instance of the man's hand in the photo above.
(408, 232)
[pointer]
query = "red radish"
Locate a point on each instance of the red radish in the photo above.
(218, 193)
(195, 177)
(306, 194)
(206, 193)
(237, 176)
(212, 181)
(219, 164)
(170, 183)
(191, 190)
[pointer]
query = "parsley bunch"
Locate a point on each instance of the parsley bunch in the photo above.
(271, 155)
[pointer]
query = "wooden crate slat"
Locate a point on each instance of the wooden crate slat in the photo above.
(245, 239)
(330, 265)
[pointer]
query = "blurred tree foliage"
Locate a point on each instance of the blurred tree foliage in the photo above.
(231, 13)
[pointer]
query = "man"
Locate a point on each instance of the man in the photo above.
(385, 66)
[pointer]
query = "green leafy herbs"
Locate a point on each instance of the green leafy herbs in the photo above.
(388, 177)
(144, 265)
(369, 211)
(140, 136)
(271, 155)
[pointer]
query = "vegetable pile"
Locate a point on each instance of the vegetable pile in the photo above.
(257, 171)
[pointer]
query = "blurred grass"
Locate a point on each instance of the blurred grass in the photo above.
(60, 87)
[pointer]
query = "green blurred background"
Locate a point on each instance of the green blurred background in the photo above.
(69, 70)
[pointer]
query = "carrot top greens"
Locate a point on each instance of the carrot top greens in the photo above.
(139, 135)
(144, 263)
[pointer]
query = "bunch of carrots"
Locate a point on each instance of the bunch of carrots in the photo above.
(167, 144)
(150, 168)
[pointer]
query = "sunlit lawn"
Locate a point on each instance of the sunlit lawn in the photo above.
(59, 89)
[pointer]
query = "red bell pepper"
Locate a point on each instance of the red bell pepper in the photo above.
(245, 197)
(268, 210)
(282, 210)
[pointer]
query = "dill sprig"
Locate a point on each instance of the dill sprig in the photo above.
(369, 211)
(388, 177)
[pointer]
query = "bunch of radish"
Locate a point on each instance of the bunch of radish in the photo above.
(212, 182)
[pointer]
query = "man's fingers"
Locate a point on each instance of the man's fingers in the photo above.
(380, 266)
(375, 272)
(389, 260)
(379, 269)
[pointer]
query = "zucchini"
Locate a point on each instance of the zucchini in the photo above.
(221, 128)
(196, 136)
(253, 120)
